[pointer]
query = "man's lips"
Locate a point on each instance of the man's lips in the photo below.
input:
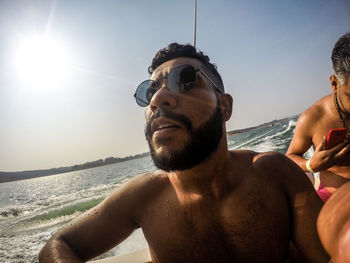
(163, 125)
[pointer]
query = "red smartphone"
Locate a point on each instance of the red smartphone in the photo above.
(335, 136)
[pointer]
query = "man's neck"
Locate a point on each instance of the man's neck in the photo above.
(205, 178)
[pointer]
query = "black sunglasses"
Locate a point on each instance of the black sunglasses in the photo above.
(179, 80)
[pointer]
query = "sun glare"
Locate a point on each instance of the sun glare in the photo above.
(41, 61)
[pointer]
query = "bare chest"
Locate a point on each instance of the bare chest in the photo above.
(240, 229)
(322, 127)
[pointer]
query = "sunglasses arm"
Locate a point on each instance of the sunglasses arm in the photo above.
(212, 82)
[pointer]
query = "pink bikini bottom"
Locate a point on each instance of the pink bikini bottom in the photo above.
(323, 193)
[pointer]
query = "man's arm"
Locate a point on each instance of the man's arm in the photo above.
(304, 206)
(100, 228)
(302, 140)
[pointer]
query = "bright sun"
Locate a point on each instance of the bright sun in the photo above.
(41, 61)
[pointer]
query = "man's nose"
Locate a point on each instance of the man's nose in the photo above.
(163, 98)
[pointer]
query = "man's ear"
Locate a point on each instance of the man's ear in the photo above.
(226, 106)
(334, 83)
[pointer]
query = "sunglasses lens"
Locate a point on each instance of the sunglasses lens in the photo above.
(145, 92)
(182, 79)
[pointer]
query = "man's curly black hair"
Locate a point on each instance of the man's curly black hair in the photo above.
(175, 50)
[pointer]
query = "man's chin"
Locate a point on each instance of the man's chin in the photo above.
(165, 151)
(167, 162)
(168, 145)
(172, 141)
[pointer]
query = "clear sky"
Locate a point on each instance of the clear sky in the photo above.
(69, 69)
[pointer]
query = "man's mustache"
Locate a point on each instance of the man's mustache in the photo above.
(170, 115)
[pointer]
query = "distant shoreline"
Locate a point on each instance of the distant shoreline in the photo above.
(23, 175)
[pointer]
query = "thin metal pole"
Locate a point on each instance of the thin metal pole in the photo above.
(195, 23)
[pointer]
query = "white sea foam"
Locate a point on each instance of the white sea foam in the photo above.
(247, 144)
(278, 134)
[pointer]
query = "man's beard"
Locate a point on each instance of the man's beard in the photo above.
(345, 112)
(202, 142)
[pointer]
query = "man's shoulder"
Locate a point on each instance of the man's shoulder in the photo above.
(261, 161)
(142, 187)
(270, 161)
(317, 110)
(278, 167)
(148, 180)
(270, 167)
(317, 114)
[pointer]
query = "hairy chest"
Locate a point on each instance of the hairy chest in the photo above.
(244, 228)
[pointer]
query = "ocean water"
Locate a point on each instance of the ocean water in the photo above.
(32, 210)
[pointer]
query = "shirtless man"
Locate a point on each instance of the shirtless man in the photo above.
(332, 111)
(206, 203)
(334, 230)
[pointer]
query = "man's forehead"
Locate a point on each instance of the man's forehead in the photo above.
(167, 66)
